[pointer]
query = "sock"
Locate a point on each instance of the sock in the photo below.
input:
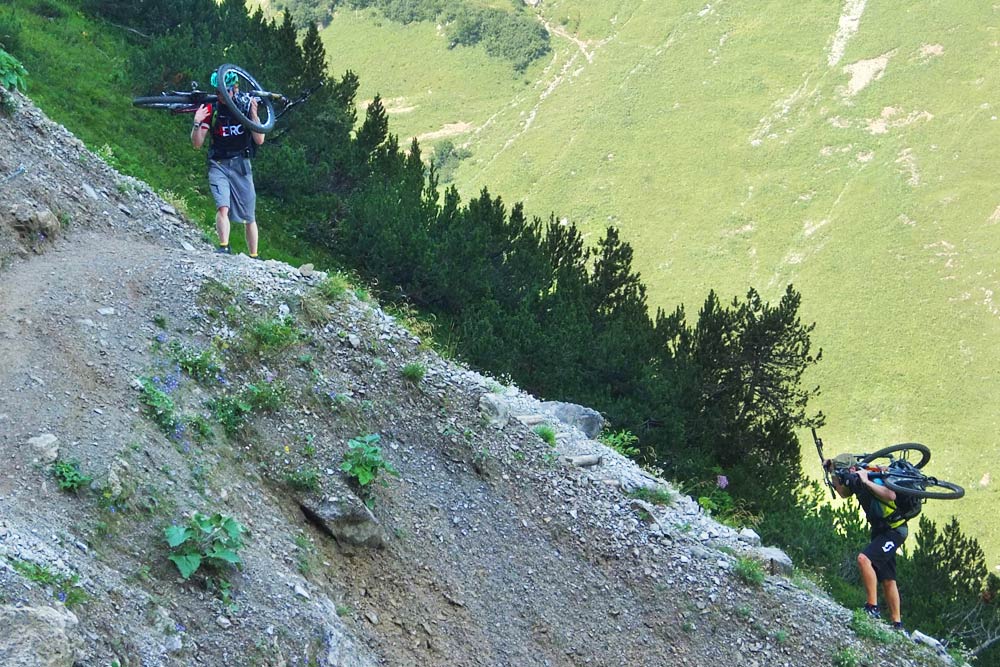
(253, 256)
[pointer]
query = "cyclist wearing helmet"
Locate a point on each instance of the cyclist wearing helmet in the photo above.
(877, 562)
(229, 174)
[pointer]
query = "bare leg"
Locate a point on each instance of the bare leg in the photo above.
(222, 224)
(251, 231)
(868, 578)
(892, 599)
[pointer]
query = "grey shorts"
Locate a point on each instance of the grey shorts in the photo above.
(231, 182)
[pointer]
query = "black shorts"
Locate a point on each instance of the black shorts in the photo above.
(881, 551)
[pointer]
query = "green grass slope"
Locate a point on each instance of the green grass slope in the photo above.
(844, 147)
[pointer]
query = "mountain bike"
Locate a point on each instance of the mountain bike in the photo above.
(179, 101)
(900, 469)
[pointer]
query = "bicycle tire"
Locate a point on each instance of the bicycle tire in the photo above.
(264, 105)
(906, 448)
(162, 102)
(931, 488)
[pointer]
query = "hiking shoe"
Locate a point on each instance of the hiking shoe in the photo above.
(898, 625)
(223, 250)
(872, 610)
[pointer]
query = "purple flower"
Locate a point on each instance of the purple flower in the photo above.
(161, 337)
(62, 596)
(180, 628)
(722, 481)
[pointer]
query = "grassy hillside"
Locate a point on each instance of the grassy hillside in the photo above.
(750, 143)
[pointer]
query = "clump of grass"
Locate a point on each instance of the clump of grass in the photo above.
(232, 411)
(546, 433)
(651, 495)
(750, 571)
(624, 442)
(160, 320)
(201, 364)
(414, 371)
(303, 479)
(68, 476)
(67, 589)
(272, 334)
(315, 310)
(867, 627)
(846, 657)
(334, 287)
(159, 406)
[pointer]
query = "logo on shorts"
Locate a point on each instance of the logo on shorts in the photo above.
(888, 546)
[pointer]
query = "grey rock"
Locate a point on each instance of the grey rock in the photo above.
(187, 246)
(346, 519)
(920, 638)
(777, 560)
(495, 409)
(106, 311)
(354, 341)
(223, 622)
(38, 637)
(749, 536)
(307, 270)
(168, 209)
(588, 420)
(90, 192)
(46, 447)
(173, 644)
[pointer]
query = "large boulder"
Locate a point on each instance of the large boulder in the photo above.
(38, 637)
(588, 420)
(346, 519)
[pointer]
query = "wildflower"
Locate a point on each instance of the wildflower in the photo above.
(62, 596)
(722, 481)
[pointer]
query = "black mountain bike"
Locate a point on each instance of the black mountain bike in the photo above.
(899, 468)
(179, 101)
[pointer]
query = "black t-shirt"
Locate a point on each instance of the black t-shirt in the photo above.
(229, 137)
(876, 510)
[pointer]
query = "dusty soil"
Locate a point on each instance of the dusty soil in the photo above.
(495, 550)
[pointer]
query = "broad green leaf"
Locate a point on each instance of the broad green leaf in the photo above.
(187, 564)
(176, 535)
(227, 555)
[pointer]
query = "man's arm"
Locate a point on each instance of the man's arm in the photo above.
(200, 129)
(258, 137)
(879, 491)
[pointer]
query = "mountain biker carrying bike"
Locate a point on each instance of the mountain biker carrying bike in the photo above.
(877, 561)
(229, 174)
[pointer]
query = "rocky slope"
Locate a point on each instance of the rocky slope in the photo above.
(492, 547)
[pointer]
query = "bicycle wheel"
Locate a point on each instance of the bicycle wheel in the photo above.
(163, 102)
(240, 107)
(902, 452)
(932, 487)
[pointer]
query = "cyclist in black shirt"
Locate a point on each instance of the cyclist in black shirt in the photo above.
(229, 173)
(877, 562)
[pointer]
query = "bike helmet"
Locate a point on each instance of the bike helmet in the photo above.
(232, 79)
(843, 461)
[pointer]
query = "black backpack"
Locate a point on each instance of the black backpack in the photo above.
(907, 505)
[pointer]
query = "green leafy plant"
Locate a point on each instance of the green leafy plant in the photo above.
(160, 320)
(363, 460)
(213, 542)
(303, 479)
(651, 495)
(272, 334)
(68, 475)
(414, 371)
(67, 588)
(334, 287)
(158, 406)
(749, 571)
(546, 433)
(846, 657)
(201, 364)
(12, 72)
(232, 411)
(624, 442)
(866, 627)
